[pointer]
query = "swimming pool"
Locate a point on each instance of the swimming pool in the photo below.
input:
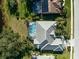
(32, 29)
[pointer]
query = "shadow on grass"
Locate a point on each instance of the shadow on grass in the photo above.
(49, 17)
(28, 5)
(0, 1)
(1, 21)
(48, 51)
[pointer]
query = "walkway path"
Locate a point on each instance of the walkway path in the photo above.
(71, 28)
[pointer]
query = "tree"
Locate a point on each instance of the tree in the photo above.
(12, 4)
(0, 2)
(58, 32)
(11, 46)
(60, 28)
(1, 20)
(65, 14)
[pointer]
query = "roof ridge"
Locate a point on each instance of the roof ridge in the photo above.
(44, 46)
(41, 26)
(58, 47)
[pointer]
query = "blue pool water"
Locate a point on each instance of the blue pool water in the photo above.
(32, 28)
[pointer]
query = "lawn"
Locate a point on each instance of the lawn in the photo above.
(18, 26)
(73, 53)
(65, 55)
(22, 8)
(26, 57)
(68, 7)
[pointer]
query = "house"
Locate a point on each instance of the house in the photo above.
(43, 57)
(45, 38)
(47, 6)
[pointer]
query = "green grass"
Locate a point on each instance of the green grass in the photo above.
(18, 26)
(22, 8)
(68, 7)
(26, 57)
(73, 53)
(65, 55)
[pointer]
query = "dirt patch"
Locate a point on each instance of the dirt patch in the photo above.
(18, 26)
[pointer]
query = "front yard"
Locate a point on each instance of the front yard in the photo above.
(68, 7)
(64, 55)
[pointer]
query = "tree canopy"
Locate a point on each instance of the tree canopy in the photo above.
(61, 28)
(12, 4)
(11, 46)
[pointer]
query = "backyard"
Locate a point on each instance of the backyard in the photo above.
(17, 24)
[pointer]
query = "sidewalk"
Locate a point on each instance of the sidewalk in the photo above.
(76, 29)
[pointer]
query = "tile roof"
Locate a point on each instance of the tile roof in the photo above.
(42, 32)
(44, 38)
(47, 6)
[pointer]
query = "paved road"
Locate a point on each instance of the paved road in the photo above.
(76, 29)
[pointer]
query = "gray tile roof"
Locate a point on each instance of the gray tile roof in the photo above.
(44, 38)
(43, 30)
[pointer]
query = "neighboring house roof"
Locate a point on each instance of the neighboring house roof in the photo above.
(54, 6)
(43, 57)
(47, 6)
(45, 36)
